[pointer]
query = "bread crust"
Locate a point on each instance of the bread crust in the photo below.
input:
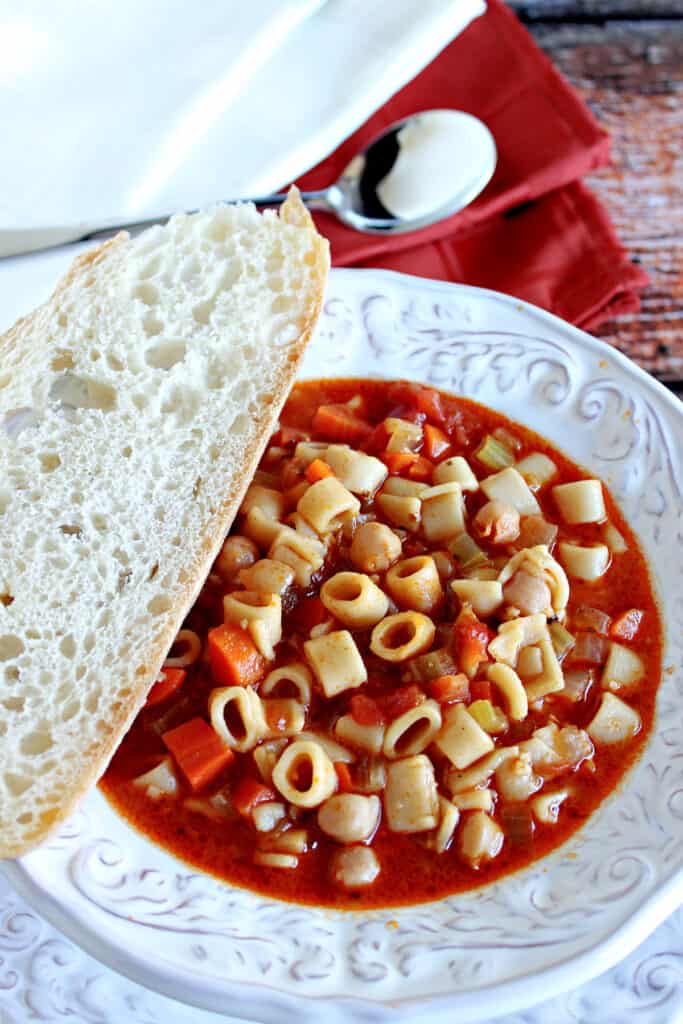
(292, 212)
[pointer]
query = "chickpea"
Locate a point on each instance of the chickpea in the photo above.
(237, 553)
(497, 521)
(349, 817)
(529, 593)
(374, 547)
(355, 867)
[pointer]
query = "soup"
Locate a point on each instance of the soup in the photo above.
(426, 653)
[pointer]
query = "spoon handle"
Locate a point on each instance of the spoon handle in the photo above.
(14, 243)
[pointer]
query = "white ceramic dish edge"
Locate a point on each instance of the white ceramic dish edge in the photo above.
(382, 305)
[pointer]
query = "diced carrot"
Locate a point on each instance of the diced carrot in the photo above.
(317, 470)
(308, 613)
(449, 689)
(626, 626)
(343, 777)
(170, 680)
(436, 444)
(480, 689)
(471, 638)
(248, 793)
(200, 754)
(365, 710)
(420, 470)
(234, 659)
(399, 462)
(402, 699)
(337, 422)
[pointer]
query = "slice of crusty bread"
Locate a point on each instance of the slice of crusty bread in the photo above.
(134, 406)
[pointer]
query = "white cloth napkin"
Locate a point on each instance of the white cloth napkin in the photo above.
(117, 111)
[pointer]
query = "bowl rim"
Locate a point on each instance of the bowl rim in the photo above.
(269, 1003)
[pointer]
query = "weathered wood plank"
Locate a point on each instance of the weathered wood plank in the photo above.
(631, 75)
(578, 10)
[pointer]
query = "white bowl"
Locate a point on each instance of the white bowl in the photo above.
(534, 933)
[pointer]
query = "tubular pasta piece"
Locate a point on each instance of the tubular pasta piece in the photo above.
(479, 775)
(443, 511)
(401, 511)
(461, 739)
(296, 673)
(538, 561)
(302, 554)
(399, 487)
(580, 502)
(414, 583)
(510, 486)
(584, 563)
(191, 646)
(265, 859)
(335, 751)
(411, 802)
(259, 614)
(506, 680)
(402, 636)
(160, 781)
(474, 800)
(455, 470)
(413, 731)
(518, 633)
(260, 528)
(336, 662)
(268, 501)
(485, 596)
(327, 504)
(449, 818)
(551, 679)
(266, 755)
(364, 737)
(319, 770)
(247, 703)
(354, 599)
(359, 473)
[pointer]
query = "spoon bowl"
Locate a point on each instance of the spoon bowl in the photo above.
(419, 171)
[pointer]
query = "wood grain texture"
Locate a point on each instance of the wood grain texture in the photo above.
(631, 75)
(596, 10)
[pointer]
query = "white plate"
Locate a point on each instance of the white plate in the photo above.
(126, 110)
(529, 936)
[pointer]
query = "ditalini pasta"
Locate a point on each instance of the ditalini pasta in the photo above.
(425, 653)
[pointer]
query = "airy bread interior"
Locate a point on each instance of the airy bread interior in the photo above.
(134, 406)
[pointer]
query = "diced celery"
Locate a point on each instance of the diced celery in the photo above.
(467, 552)
(562, 639)
(490, 718)
(493, 454)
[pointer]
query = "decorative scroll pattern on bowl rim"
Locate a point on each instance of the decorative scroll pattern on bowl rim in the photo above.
(500, 948)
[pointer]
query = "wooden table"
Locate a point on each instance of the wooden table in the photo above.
(625, 57)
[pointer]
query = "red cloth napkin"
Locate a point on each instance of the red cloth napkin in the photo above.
(535, 232)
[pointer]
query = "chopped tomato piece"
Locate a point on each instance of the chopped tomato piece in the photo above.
(317, 470)
(200, 754)
(420, 470)
(337, 422)
(430, 403)
(234, 659)
(170, 680)
(248, 793)
(480, 689)
(626, 626)
(449, 689)
(402, 699)
(471, 638)
(343, 777)
(436, 444)
(308, 613)
(365, 710)
(399, 462)
(377, 440)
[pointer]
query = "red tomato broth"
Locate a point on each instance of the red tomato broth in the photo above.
(411, 873)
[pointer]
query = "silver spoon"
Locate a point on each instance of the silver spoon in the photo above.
(419, 171)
